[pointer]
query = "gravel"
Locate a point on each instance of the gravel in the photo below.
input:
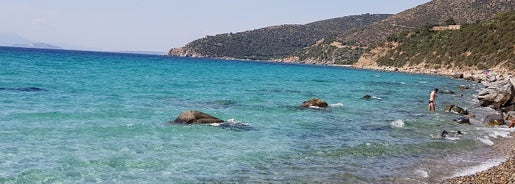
(504, 173)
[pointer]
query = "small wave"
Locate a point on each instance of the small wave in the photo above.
(397, 123)
(336, 105)
(494, 133)
(215, 124)
(452, 138)
(486, 140)
(233, 125)
(403, 83)
(499, 133)
(479, 168)
(421, 173)
(232, 121)
(314, 107)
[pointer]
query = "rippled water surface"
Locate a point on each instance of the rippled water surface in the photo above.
(80, 117)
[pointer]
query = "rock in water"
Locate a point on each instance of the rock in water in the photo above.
(498, 94)
(462, 120)
(455, 109)
(446, 91)
(510, 115)
(493, 119)
(196, 117)
(315, 102)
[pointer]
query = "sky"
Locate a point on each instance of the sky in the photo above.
(158, 25)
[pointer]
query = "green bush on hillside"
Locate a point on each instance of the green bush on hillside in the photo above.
(481, 45)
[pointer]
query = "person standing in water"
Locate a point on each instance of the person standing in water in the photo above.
(432, 100)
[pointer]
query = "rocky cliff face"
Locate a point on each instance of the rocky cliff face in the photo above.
(184, 52)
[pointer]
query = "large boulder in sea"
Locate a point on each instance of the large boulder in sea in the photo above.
(315, 102)
(195, 117)
(455, 109)
(498, 94)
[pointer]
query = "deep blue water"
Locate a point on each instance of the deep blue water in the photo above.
(84, 117)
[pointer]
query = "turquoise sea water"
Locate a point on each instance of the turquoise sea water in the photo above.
(84, 117)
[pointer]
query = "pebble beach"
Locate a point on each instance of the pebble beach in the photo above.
(503, 173)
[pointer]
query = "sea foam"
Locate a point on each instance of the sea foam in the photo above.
(482, 167)
(397, 123)
(486, 140)
(422, 173)
(336, 105)
(494, 133)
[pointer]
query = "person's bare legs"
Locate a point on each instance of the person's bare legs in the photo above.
(431, 106)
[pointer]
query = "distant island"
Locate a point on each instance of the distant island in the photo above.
(37, 45)
(15, 40)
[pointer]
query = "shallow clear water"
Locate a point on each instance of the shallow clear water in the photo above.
(69, 116)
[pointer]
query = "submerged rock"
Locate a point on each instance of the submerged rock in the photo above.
(196, 117)
(462, 120)
(446, 91)
(463, 87)
(24, 89)
(233, 125)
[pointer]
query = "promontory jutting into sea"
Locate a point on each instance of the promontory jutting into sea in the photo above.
(280, 110)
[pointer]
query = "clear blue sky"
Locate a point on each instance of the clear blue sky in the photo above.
(158, 25)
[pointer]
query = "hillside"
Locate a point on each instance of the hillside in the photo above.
(484, 45)
(272, 42)
(347, 48)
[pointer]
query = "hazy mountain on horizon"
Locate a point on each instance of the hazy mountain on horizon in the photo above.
(15, 40)
(8, 39)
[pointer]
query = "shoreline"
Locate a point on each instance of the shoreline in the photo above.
(485, 172)
(498, 172)
(490, 75)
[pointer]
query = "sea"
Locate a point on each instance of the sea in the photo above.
(100, 117)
